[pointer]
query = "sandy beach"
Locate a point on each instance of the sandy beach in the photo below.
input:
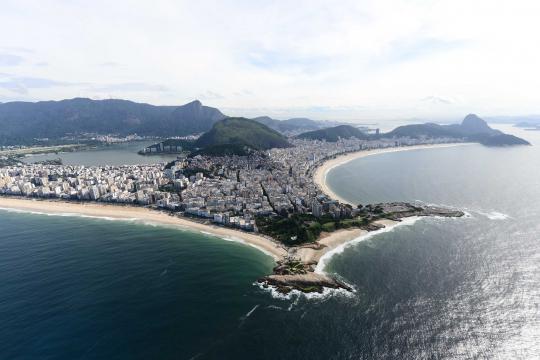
(144, 215)
(310, 253)
(331, 241)
(319, 177)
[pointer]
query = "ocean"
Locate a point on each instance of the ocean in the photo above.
(468, 288)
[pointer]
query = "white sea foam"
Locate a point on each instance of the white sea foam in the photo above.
(251, 311)
(248, 314)
(325, 259)
(140, 221)
(297, 294)
(494, 215)
(338, 250)
(67, 214)
(240, 241)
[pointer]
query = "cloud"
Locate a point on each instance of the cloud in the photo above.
(10, 59)
(286, 61)
(437, 100)
(22, 85)
(361, 59)
(210, 95)
(130, 87)
(110, 64)
(411, 49)
(244, 92)
(16, 49)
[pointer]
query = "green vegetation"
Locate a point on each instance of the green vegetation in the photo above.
(429, 130)
(293, 267)
(24, 121)
(185, 144)
(296, 124)
(502, 140)
(241, 131)
(298, 229)
(333, 134)
(472, 129)
(168, 188)
(293, 230)
(223, 150)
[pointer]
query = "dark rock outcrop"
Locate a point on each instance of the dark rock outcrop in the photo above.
(307, 283)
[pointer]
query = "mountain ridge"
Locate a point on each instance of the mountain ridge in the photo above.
(23, 121)
(472, 128)
(55, 119)
(333, 134)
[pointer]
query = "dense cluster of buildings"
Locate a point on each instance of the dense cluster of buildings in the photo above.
(122, 184)
(228, 190)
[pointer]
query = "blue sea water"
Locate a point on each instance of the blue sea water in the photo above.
(79, 288)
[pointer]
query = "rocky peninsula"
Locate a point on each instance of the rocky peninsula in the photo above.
(297, 271)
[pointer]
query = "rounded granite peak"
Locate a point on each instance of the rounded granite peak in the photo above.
(475, 124)
(194, 103)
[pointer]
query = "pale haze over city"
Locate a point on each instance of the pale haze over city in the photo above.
(347, 60)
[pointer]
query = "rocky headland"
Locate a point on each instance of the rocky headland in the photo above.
(297, 271)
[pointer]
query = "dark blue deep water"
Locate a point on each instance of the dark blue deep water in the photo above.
(78, 288)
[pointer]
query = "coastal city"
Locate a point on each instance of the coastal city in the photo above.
(269, 180)
(227, 190)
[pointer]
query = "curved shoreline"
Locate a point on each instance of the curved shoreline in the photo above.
(320, 174)
(339, 239)
(142, 215)
(317, 253)
(329, 241)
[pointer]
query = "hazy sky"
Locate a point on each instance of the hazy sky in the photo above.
(324, 59)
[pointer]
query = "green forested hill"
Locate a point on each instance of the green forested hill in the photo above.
(242, 131)
(333, 134)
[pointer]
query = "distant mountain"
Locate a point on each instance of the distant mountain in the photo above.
(472, 128)
(242, 131)
(527, 125)
(472, 125)
(429, 130)
(290, 125)
(21, 121)
(499, 140)
(530, 119)
(333, 134)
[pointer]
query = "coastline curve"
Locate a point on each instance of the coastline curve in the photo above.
(321, 172)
